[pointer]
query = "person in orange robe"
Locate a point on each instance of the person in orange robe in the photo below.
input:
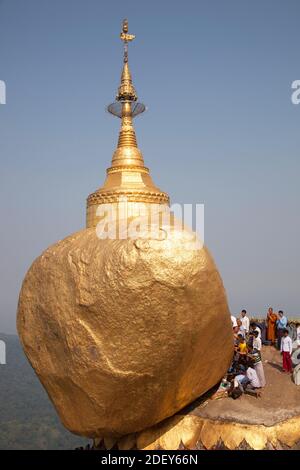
(271, 325)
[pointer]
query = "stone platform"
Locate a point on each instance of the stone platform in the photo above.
(269, 422)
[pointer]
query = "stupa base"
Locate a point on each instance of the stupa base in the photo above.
(271, 422)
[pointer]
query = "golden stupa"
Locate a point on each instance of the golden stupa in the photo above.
(124, 331)
(127, 177)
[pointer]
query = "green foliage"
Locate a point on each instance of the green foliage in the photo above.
(27, 417)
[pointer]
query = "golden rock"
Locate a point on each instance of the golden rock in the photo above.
(123, 333)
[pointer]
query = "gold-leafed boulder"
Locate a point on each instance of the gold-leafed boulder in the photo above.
(123, 332)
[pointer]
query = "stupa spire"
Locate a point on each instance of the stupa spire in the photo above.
(126, 108)
(126, 89)
(127, 177)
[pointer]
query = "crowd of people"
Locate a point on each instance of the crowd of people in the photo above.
(246, 373)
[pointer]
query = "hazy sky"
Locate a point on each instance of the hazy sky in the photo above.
(221, 129)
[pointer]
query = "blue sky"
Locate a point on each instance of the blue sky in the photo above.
(220, 130)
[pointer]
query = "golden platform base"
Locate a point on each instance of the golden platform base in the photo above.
(193, 432)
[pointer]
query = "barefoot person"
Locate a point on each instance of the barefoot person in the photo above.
(286, 349)
(258, 366)
(271, 325)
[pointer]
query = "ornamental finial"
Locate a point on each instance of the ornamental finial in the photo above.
(126, 38)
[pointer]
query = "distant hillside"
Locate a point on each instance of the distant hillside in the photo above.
(27, 417)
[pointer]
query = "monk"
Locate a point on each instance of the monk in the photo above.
(271, 325)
